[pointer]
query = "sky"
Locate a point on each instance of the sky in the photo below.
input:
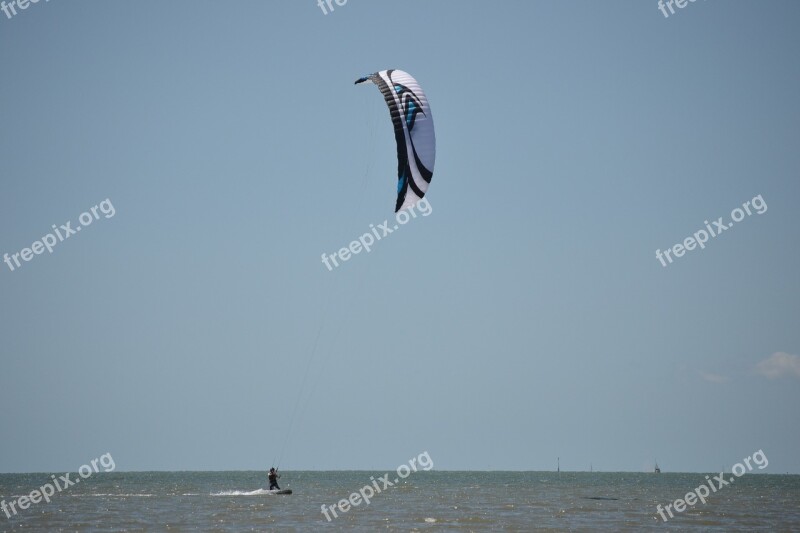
(191, 325)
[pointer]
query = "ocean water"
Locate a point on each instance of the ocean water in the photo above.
(424, 501)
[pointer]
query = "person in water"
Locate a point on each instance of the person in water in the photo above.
(273, 479)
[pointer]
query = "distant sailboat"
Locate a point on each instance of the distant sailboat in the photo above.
(657, 470)
(559, 465)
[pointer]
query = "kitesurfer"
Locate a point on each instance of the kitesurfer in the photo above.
(273, 479)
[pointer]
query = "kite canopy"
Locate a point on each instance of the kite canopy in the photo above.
(413, 132)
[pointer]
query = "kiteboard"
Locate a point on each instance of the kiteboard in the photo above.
(283, 491)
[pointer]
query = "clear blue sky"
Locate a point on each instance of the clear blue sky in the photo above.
(526, 318)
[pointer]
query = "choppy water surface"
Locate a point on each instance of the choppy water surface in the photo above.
(429, 501)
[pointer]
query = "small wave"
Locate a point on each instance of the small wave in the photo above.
(257, 492)
(119, 495)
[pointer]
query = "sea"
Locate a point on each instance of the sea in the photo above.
(423, 501)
